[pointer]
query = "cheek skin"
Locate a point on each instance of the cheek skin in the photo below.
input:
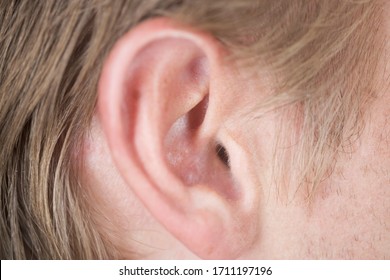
(352, 211)
(351, 219)
(348, 218)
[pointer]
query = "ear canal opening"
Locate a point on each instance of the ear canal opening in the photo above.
(222, 154)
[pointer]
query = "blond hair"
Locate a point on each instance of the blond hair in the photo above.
(324, 54)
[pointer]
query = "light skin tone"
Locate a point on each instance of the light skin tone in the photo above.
(168, 99)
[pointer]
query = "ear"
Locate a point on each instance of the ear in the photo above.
(162, 104)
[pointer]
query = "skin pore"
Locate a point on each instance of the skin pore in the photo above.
(347, 217)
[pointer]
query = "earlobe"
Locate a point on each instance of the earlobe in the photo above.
(156, 104)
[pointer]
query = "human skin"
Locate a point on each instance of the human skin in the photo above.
(348, 217)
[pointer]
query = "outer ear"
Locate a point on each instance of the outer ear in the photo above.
(160, 104)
